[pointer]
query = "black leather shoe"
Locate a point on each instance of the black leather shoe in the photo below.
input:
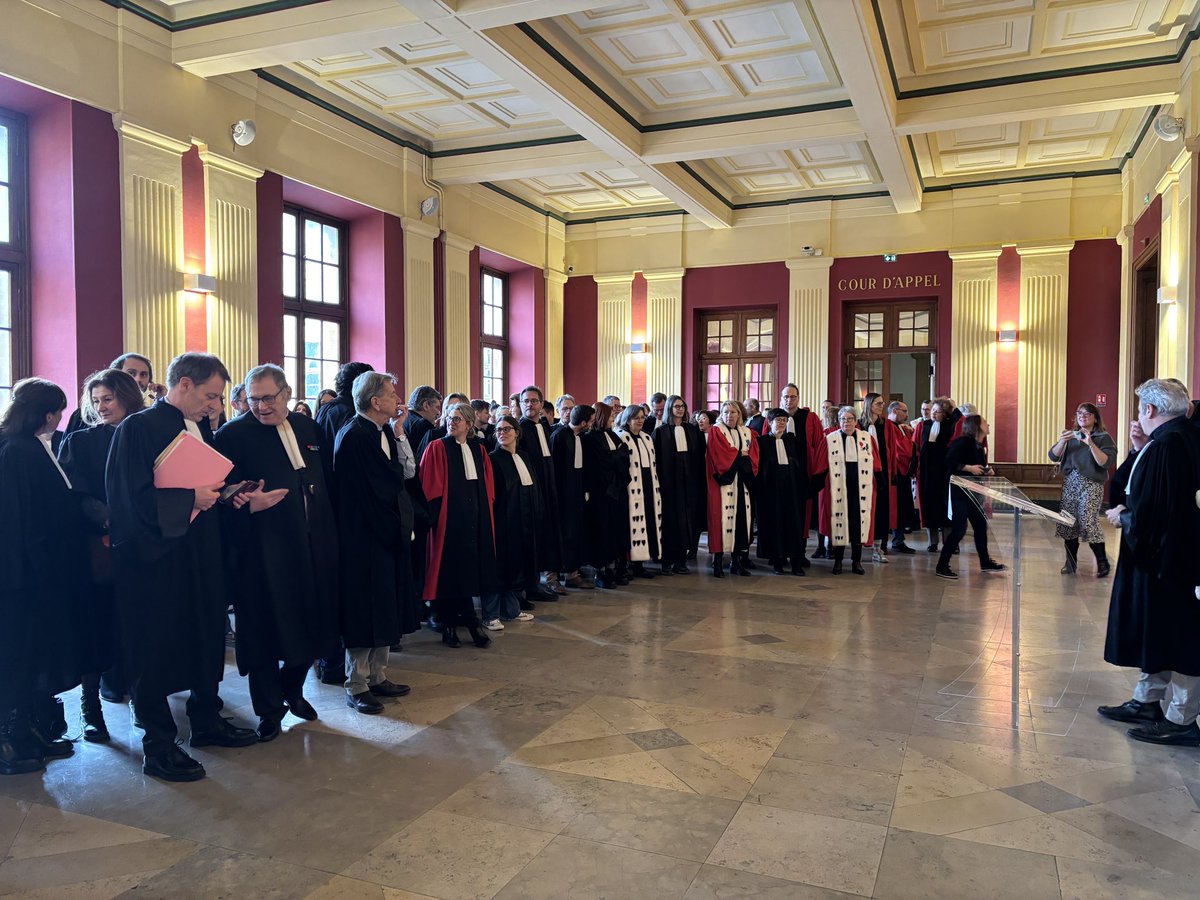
(450, 637)
(805, 562)
(95, 729)
(389, 689)
(223, 733)
(301, 709)
(479, 638)
(681, 569)
(665, 571)
(718, 565)
(1168, 733)
(641, 571)
(542, 595)
(15, 759)
(1103, 568)
(1133, 711)
(174, 765)
(364, 703)
(268, 730)
(798, 569)
(945, 572)
(992, 566)
(43, 745)
(932, 548)
(902, 548)
(857, 569)
(395, 648)
(837, 567)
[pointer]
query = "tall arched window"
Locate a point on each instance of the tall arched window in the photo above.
(14, 253)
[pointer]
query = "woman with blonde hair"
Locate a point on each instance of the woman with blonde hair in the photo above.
(645, 504)
(732, 464)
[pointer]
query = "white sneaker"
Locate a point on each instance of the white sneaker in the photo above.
(524, 617)
(879, 557)
(493, 625)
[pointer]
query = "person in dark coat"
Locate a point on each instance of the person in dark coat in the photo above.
(782, 496)
(535, 441)
(170, 585)
(606, 465)
(41, 551)
(570, 471)
(810, 453)
(109, 397)
(377, 603)
(1154, 613)
(1120, 479)
(679, 451)
(932, 438)
(137, 367)
(286, 604)
(756, 422)
(516, 511)
(337, 412)
(966, 455)
(456, 476)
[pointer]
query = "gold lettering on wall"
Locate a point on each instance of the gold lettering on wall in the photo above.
(889, 283)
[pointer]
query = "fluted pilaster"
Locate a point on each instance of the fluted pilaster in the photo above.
(151, 242)
(808, 330)
(664, 331)
(1042, 369)
(613, 326)
(458, 311)
(973, 330)
(555, 283)
(418, 304)
(1177, 268)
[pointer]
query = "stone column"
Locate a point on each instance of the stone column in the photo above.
(458, 309)
(1177, 268)
(664, 330)
(555, 283)
(1042, 365)
(973, 330)
(613, 325)
(808, 330)
(418, 303)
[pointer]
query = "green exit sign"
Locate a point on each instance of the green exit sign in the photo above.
(889, 257)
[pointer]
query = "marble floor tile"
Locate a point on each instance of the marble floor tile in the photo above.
(719, 883)
(12, 814)
(876, 751)
(923, 779)
(572, 868)
(1115, 782)
(961, 813)
(451, 856)
(1172, 813)
(47, 831)
(927, 867)
(214, 872)
(1102, 881)
(1135, 840)
(1053, 837)
(799, 846)
(59, 872)
(1045, 797)
(836, 791)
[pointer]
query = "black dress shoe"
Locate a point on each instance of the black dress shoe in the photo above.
(450, 637)
(395, 648)
(857, 569)
(804, 562)
(945, 572)
(837, 567)
(1133, 711)
(992, 566)
(542, 595)
(43, 745)
(932, 548)
(777, 568)
(268, 730)
(479, 638)
(301, 709)
(223, 733)
(95, 729)
(1103, 568)
(174, 765)
(1168, 733)
(640, 571)
(681, 569)
(389, 689)
(364, 703)
(902, 548)
(798, 569)
(15, 757)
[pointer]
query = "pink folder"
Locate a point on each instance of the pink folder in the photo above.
(189, 463)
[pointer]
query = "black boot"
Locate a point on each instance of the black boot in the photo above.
(95, 730)
(777, 566)
(450, 636)
(15, 757)
(34, 743)
(1102, 566)
(1072, 557)
(478, 637)
(718, 565)
(798, 565)
(839, 553)
(744, 564)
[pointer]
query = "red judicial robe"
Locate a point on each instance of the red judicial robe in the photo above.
(469, 530)
(722, 458)
(899, 457)
(866, 484)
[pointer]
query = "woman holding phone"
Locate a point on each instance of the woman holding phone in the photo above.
(1085, 453)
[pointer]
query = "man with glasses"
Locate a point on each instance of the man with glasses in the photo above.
(286, 605)
(535, 441)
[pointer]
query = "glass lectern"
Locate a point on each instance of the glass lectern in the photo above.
(1023, 531)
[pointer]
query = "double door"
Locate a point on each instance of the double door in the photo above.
(891, 349)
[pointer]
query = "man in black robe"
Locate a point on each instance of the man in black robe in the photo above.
(658, 405)
(282, 550)
(781, 496)
(755, 420)
(1154, 613)
(375, 525)
(570, 482)
(679, 453)
(338, 411)
(169, 579)
(535, 441)
(424, 411)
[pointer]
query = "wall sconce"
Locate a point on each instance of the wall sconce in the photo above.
(1168, 294)
(1007, 336)
(638, 348)
(199, 284)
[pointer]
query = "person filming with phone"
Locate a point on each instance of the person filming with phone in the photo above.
(1085, 453)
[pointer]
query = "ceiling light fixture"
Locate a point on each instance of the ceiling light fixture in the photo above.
(1169, 127)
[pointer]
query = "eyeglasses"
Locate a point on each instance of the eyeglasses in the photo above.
(455, 420)
(507, 429)
(682, 406)
(266, 399)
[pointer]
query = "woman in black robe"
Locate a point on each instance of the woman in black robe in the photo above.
(456, 476)
(781, 494)
(516, 512)
(606, 462)
(679, 450)
(932, 440)
(108, 397)
(41, 554)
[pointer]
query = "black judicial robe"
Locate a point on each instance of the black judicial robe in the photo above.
(83, 456)
(570, 486)
(416, 427)
(607, 471)
(683, 489)
(283, 560)
(756, 423)
(462, 539)
(781, 494)
(377, 601)
(517, 510)
(550, 533)
(436, 433)
(330, 419)
(41, 557)
(932, 474)
(1154, 614)
(170, 581)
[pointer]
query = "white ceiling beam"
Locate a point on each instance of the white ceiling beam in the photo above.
(1074, 95)
(831, 126)
(849, 30)
(524, 162)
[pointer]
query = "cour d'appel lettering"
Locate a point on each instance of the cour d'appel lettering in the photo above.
(889, 283)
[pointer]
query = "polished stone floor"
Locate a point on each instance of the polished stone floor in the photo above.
(767, 737)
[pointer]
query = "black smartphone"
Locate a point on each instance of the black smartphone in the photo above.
(232, 490)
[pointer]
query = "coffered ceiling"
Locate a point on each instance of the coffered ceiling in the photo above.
(590, 109)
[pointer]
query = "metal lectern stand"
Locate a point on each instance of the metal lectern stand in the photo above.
(1003, 494)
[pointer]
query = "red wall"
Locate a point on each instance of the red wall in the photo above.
(270, 268)
(377, 293)
(1094, 328)
(439, 311)
(476, 319)
(1147, 227)
(843, 271)
(580, 357)
(730, 287)
(195, 252)
(1008, 315)
(526, 320)
(639, 390)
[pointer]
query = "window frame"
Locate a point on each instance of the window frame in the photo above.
(14, 254)
(304, 309)
(739, 357)
(490, 341)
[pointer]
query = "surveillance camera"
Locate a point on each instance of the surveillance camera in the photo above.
(570, 269)
(807, 249)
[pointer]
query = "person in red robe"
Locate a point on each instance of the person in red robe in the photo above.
(732, 464)
(906, 467)
(848, 490)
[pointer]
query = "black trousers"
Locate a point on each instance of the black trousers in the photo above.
(272, 685)
(455, 611)
(154, 712)
(965, 511)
